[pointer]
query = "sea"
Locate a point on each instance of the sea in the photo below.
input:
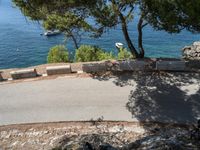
(22, 45)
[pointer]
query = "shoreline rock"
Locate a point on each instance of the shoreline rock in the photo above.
(192, 52)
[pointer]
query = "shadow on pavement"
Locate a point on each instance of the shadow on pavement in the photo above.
(162, 97)
(170, 98)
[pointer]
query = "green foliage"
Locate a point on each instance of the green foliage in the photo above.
(58, 54)
(65, 22)
(38, 9)
(106, 56)
(91, 53)
(74, 16)
(172, 15)
(72, 25)
(68, 16)
(124, 54)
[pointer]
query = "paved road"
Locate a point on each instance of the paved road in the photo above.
(62, 99)
(175, 98)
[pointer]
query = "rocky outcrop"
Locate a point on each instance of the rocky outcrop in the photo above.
(192, 52)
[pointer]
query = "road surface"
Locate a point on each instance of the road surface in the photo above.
(62, 99)
(83, 99)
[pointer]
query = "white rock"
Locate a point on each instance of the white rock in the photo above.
(15, 143)
(196, 43)
(192, 52)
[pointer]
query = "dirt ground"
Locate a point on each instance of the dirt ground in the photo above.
(68, 134)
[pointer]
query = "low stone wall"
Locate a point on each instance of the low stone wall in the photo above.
(21, 74)
(137, 65)
(95, 67)
(56, 70)
(171, 65)
(193, 64)
(103, 66)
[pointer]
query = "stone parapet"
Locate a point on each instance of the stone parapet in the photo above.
(136, 65)
(95, 67)
(171, 65)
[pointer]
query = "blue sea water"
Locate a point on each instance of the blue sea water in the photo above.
(21, 44)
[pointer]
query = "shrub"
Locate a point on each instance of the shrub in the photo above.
(58, 54)
(106, 56)
(124, 54)
(87, 53)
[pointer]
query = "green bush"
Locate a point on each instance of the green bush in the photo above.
(124, 54)
(91, 53)
(58, 54)
(106, 56)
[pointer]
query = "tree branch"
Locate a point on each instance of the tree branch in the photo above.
(130, 12)
(144, 25)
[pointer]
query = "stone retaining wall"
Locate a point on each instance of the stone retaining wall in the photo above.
(103, 66)
(193, 64)
(171, 65)
(137, 65)
(95, 67)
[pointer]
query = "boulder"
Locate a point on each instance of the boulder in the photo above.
(21, 74)
(192, 52)
(56, 70)
(196, 43)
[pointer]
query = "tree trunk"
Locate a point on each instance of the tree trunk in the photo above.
(69, 34)
(127, 37)
(140, 38)
(74, 40)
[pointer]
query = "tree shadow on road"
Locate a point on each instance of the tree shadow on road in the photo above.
(160, 97)
(168, 97)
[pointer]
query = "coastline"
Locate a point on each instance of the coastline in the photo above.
(22, 45)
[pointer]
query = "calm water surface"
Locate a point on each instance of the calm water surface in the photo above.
(21, 44)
